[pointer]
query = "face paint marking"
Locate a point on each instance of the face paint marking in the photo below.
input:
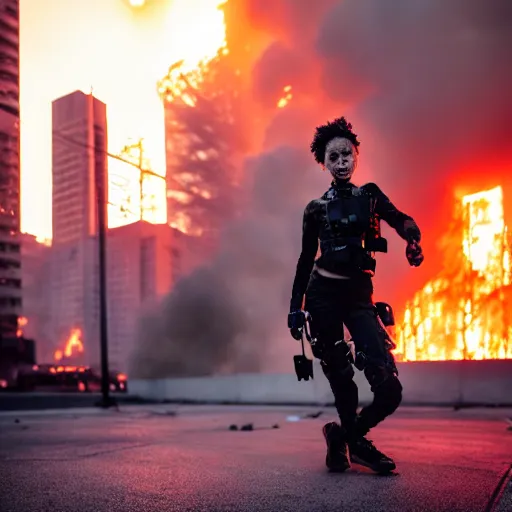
(340, 158)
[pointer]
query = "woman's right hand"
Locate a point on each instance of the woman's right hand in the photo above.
(296, 321)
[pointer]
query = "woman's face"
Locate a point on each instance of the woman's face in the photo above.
(340, 158)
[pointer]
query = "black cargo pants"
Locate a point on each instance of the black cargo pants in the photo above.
(332, 303)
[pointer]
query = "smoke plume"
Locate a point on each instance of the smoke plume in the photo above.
(426, 84)
(222, 317)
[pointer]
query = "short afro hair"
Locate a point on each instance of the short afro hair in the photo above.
(325, 133)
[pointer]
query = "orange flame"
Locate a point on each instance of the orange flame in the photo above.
(464, 312)
(192, 34)
(22, 321)
(286, 98)
(72, 346)
(189, 71)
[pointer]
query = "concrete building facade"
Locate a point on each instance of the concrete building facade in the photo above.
(140, 264)
(139, 272)
(79, 161)
(10, 256)
(35, 269)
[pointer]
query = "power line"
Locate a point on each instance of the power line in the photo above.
(104, 152)
(142, 172)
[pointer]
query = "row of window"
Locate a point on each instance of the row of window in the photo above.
(12, 10)
(8, 137)
(9, 247)
(6, 76)
(13, 302)
(8, 29)
(5, 42)
(9, 282)
(6, 264)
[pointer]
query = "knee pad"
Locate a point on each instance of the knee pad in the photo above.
(387, 392)
(336, 363)
(382, 375)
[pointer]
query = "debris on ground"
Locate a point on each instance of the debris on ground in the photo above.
(249, 427)
(313, 414)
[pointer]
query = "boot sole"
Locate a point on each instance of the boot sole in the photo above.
(382, 467)
(337, 469)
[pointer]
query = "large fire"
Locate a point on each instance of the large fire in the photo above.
(72, 347)
(195, 32)
(465, 312)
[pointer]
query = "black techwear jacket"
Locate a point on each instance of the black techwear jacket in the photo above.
(340, 220)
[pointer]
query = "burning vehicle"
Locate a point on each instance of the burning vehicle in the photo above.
(68, 378)
(20, 371)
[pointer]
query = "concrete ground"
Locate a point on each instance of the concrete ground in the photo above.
(185, 458)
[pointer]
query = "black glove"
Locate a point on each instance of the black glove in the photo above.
(412, 231)
(296, 321)
(414, 254)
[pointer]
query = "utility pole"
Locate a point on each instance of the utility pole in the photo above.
(141, 180)
(101, 206)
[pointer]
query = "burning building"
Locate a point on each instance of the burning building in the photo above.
(203, 144)
(464, 313)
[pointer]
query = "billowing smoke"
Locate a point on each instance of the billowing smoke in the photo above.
(228, 314)
(426, 84)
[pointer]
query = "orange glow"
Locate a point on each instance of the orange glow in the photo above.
(22, 321)
(286, 98)
(464, 312)
(185, 20)
(121, 377)
(73, 346)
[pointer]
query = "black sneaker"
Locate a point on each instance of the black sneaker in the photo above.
(363, 452)
(337, 458)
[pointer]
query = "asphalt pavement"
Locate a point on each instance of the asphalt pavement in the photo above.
(185, 458)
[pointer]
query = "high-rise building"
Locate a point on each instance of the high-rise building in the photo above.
(79, 163)
(10, 257)
(79, 144)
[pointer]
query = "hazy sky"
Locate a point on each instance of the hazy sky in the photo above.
(121, 52)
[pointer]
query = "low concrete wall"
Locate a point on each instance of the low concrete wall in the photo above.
(424, 383)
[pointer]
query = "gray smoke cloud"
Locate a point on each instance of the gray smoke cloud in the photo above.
(223, 316)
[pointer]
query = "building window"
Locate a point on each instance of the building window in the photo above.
(10, 282)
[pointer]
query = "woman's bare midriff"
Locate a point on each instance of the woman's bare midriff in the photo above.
(330, 275)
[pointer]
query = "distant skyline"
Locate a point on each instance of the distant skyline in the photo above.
(68, 45)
